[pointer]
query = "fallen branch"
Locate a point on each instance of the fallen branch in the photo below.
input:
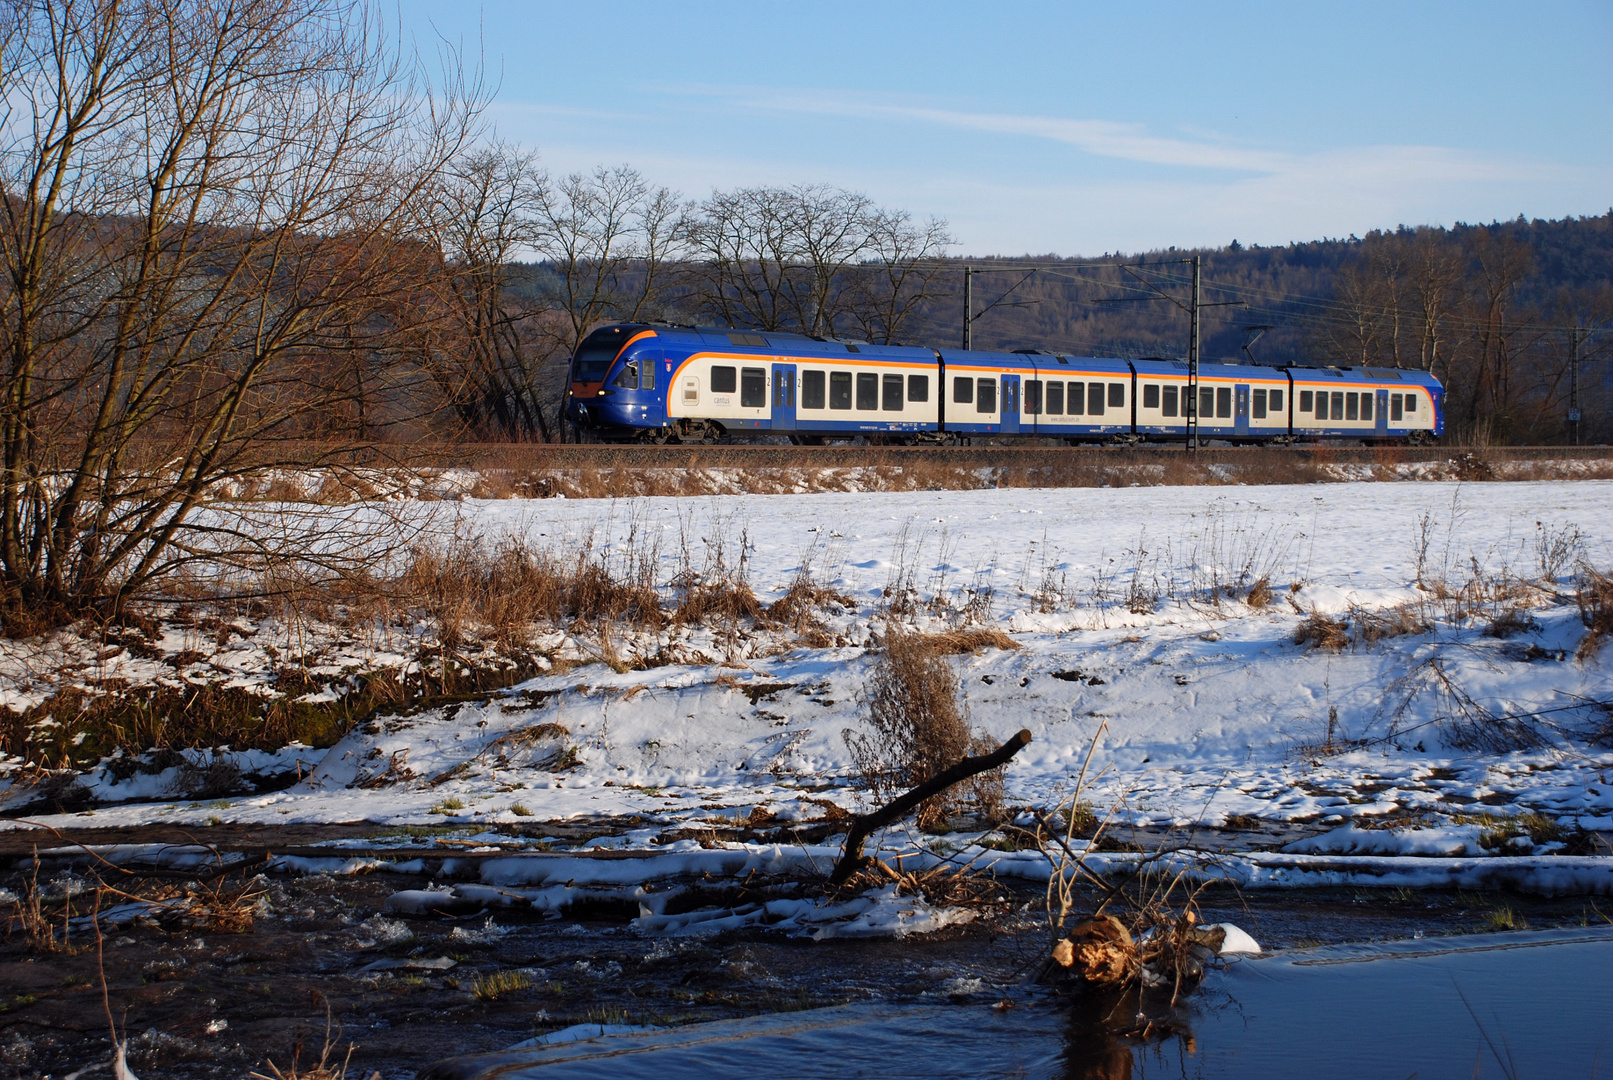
(852, 859)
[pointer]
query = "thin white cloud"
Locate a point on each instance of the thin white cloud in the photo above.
(1193, 190)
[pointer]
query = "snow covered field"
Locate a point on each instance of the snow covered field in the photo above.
(1129, 607)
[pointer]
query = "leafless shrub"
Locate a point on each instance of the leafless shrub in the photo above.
(1594, 594)
(1557, 547)
(900, 593)
(917, 730)
(1232, 551)
(1467, 724)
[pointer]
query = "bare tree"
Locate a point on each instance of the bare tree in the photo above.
(606, 241)
(485, 354)
(814, 259)
(890, 289)
(204, 202)
(775, 258)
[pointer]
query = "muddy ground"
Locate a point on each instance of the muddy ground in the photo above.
(223, 1001)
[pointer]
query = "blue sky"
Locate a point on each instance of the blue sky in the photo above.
(1074, 128)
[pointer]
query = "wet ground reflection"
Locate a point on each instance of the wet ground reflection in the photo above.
(1120, 1035)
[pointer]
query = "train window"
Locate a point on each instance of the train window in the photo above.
(986, 399)
(1366, 406)
(1095, 399)
(1223, 401)
(723, 380)
(1150, 395)
(1305, 400)
(867, 391)
(1168, 405)
(1258, 406)
(1394, 408)
(1206, 402)
(1054, 404)
(1321, 405)
(646, 380)
(839, 389)
(1352, 406)
(963, 390)
(1276, 401)
(811, 389)
(1117, 395)
(628, 379)
(918, 388)
(892, 398)
(1338, 404)
(1411, 404)
(1033, 397)
(691, 390)
(1076, 403)
(753, 387)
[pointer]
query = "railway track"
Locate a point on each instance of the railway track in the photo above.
(538, 457)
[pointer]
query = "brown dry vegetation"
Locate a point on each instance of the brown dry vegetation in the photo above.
(1594, 595)
(801, 472)
(916, 729)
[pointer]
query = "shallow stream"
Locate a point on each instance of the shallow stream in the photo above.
(1527, 1004)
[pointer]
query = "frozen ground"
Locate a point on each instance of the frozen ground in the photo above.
(1211, 714)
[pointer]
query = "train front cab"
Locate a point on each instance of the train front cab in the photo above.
(613, 382)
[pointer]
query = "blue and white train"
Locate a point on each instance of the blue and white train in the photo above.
(659, 384)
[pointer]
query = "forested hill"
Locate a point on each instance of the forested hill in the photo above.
(1318, 297)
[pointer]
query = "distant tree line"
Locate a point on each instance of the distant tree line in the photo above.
(1489, 309)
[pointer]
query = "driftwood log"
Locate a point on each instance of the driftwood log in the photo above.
(852, 860)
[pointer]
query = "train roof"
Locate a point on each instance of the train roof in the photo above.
(726, 337)
(780, 341)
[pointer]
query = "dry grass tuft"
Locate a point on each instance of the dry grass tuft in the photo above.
(1373, 626)
(1322, 632)
(494, 986)
(1509, 623)
(326, 1068)
(917, 731)
(973, 639)
(1360, 626)
(1260, 595)
(720, 601)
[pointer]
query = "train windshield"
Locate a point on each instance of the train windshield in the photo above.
(594, 357)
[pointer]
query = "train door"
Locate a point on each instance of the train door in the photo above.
(1240, 412)
(1010, 405)
(1380, 417)
(783, 397)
